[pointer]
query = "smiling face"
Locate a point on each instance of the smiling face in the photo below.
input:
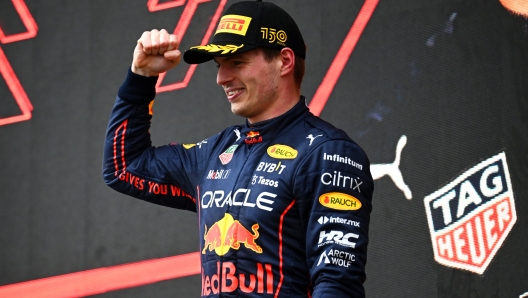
(251, 84)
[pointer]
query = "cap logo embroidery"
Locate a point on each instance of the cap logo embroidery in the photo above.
(233, 24)
(211, 48)
(271, 35)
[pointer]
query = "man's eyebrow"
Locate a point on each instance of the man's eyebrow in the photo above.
(227, 58)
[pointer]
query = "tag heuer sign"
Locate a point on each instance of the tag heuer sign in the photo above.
(226, 157)
(470, 218)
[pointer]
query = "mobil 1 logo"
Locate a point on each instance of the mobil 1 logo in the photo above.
(470, 217)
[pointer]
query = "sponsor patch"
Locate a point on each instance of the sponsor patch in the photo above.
(229, 233)
(263, 181)
(335, 219)
(339, 201)
(199, 144)
(227, 156)
(470, 217)
(253, 137)
(342, 159)
(234, 24)
(336, 257)
(338, 179)
(218, 174)
(270, 167)
(311, 137)
(337, 237)
(230, 278)
(282, 152)
(239, 197)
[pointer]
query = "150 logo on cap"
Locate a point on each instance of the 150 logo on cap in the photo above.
(272, 35)
(470, 217)
(234, 24)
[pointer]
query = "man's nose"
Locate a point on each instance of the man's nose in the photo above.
(224, 75)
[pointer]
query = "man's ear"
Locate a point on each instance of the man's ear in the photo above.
(288, 61)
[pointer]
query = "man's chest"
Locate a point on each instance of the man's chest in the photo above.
(255, 179)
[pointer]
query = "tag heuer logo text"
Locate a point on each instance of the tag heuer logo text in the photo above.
(470, 217)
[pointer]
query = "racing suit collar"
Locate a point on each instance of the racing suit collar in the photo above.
(270, 129)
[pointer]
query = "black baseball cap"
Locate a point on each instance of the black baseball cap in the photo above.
(248, 25)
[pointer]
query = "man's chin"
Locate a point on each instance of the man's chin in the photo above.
(237, 110)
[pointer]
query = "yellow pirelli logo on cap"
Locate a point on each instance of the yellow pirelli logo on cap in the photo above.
(235, 24)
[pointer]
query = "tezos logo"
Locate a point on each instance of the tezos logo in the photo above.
(470, 217)
(263, 181)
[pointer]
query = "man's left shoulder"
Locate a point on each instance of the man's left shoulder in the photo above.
(320, 132)
(327, 129)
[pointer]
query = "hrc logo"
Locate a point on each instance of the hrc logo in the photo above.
(234, 24)
(470, 217)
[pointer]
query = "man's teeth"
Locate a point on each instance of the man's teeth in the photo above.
(233, 92)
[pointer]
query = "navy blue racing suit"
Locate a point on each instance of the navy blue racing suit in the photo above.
(283, 205)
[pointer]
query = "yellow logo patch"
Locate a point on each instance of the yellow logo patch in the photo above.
(212, 48)
(282, 152)
(188, 146)
(272, 35)
(234, 24)
(339, 201)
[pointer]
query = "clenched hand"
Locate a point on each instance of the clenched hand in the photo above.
(156, 52)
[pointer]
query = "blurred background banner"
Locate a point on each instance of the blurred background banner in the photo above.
(436, 92)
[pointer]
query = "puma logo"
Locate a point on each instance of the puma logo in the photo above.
(393, 169)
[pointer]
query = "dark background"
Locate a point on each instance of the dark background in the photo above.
(450, 75)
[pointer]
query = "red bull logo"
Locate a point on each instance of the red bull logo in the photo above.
(253, 134)
(253, 137)
(230, 280)
(229, 233)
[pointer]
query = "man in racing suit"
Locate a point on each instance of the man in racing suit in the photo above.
(284, 200)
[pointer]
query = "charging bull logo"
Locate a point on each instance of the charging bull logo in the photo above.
(470, 217)
(253, 137)
(229, 233)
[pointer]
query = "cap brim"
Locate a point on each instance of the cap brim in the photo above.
(201, 54)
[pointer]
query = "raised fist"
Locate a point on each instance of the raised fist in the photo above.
(156, 52)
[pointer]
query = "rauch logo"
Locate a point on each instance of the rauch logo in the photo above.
(470, 217)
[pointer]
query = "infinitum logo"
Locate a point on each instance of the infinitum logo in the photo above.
(470, 217)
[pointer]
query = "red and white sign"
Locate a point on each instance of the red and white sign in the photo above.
(470, 218)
